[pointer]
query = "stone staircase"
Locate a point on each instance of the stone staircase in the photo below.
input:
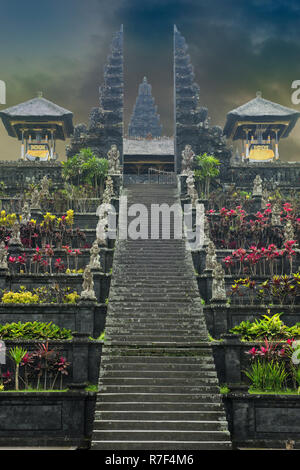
(158, 387)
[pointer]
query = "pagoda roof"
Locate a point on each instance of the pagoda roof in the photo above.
(260, 110)
(37, 111)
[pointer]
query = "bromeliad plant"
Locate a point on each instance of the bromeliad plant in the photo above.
(276, 290)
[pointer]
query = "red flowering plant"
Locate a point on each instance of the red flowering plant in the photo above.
(235, 228)
(273, 365)
(59, 265)
(261, 261)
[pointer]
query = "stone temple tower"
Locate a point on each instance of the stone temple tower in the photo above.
(144, 120)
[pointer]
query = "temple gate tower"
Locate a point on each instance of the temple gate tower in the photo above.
(105, 127)
(38, 124)
(144, 121)
(258, 125)
(191, 121)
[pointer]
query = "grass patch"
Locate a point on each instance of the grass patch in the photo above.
(272, 392)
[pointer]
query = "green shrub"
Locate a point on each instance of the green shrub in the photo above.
(33, 330)
(266, 328)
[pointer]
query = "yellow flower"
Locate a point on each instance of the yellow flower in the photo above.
(1, 388)
(3, 213)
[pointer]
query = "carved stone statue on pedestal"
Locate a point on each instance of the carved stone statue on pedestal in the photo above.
(109, 191)
(88, 292)
(276, 211)
(187, 160)
(94, 256)
(211, 257)
(257, 186)
(114, 160)
(25, 213)
(3, 257)
(289, 233)
(191, 190)
(218, 284)
(35, 200)
(15, 235)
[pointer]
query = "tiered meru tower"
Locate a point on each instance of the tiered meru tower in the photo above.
(106, 121)
(145, 122)
(191, 119)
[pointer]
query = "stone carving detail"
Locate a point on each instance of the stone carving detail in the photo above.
(26, 216)
(187, 160)
(3, 256)
(289, 233)
(114, 160)
(94, 256)
(257, 186)
(218, 283)
(88, 292)
(211, 257)
(276, 211)
(15, 235)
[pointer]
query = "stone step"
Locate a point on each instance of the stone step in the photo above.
(114, 332)
(153, 340)
(106, 379)
(159, 425)
(204, 406)
(159, 389)
(156, 355)
(166, 351)
(161, 445)
(159, 368)
(151, 396)
(141, 326)
(150, 316)
(158, 435)
(158, 374)
(211, 416)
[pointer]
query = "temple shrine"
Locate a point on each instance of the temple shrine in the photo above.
(259, 125)
(38, 123)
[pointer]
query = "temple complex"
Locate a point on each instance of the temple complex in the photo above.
(258, 125)
(145, 330)
(38, 123)
(144, 120)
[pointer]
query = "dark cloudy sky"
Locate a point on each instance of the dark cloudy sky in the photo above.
(237, 48)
